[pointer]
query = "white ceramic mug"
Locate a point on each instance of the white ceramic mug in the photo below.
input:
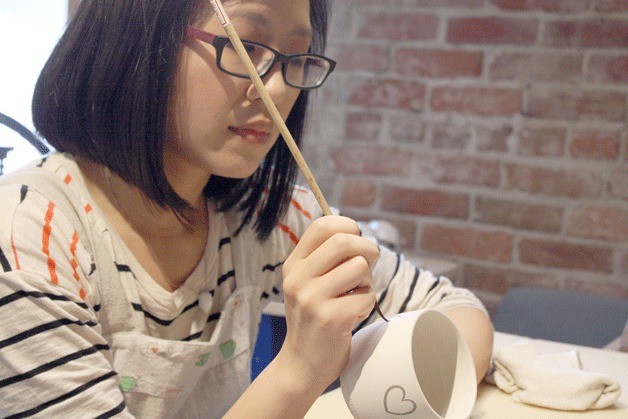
(417, 365)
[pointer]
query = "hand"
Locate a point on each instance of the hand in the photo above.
(327, 291)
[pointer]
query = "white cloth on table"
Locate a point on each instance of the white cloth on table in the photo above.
(554, 380)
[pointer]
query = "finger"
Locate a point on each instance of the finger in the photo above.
(339, 248)
(353, 307)
(320, 230)
(351, 274)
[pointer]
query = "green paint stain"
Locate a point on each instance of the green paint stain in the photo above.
(127, 384)
(227, 349)
(202, 359)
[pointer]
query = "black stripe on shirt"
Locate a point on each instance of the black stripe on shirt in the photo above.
(23, 192)
(80, 389)
(53, 364)
(125, 268)
(138, 307)
(411, 291)
(119, 408)
(271, 268)
(6, 266)
(37, 294)
(223, 242)
(40, 329)
(433, 285)
(226, 276)
(383, 296)
(211, 318)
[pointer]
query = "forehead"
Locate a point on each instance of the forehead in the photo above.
(290, 15)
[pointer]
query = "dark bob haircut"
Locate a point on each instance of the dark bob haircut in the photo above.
(104, 95)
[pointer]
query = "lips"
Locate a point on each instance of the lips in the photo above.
(251, 135)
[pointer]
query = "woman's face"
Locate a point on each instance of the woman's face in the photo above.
(217, 123)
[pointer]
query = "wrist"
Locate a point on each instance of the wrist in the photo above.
(298, 374)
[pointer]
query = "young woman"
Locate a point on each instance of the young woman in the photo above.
(137, 257)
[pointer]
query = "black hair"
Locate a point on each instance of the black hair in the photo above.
(104, 95)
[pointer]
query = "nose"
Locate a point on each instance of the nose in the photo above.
(275, 85)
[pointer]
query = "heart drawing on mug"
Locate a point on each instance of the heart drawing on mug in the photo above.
(395, 402)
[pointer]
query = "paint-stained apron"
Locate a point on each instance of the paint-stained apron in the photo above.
(173, 379)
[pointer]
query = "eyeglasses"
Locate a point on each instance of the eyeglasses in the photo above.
(302, 71)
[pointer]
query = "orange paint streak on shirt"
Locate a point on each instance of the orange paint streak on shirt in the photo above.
(88, 209)
(74, 263)
(300, 209)
(289, 232)
(45, 240)
(17, 261)
(67, 179)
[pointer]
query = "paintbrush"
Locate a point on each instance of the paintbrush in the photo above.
(225, 22)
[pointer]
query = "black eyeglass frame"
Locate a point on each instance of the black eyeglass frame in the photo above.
(219, 43)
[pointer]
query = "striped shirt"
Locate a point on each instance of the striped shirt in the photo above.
(54, 357)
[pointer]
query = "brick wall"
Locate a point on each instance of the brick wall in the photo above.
(491, 132)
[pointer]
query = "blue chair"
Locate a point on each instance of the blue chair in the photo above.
(562, 316)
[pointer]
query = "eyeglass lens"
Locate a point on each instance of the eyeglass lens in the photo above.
(300, 71)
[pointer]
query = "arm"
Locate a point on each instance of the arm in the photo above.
(330, 260)
(477, 330)
(54, 360)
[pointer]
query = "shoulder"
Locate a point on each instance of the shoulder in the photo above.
(302, 210)
(39, 233)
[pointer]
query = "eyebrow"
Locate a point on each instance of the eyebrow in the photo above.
(261, 20)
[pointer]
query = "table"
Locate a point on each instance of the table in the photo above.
(492, 403)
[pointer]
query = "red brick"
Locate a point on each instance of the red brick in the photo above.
(548, 103)
(487, 278)
(611, 6)
(560, 254)
(371, 160)
(481, 101)
(598, 222)
(363, 126)
(425, 202)
(571, 183)
(451, 135)
(597, 287)
(608, 69)
(595, 145)
(599, 32)
(358, 193)
(542, 141)
(373, 58)
(387, 93)
(536, 67)
(467, 242)
(395, 26)
(408, 128)
(437, 63)
(553, 6)
(618, 184)
(441, 4)
(492, 31)
(519, 215)
(501, 280)
(464, 170)
(493, 138)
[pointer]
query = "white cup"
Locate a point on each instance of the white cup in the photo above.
(417, 365)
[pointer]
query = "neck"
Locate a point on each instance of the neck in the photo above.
(121, 199)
